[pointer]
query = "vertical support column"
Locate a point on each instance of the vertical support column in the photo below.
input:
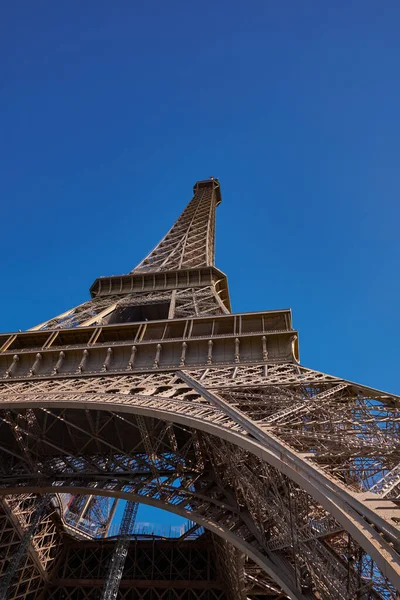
(116, 567)
(84, 510)
(111, 516)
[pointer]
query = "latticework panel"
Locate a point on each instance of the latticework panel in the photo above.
(350, 432)
(28, 582)
(230, 563)
(90, 514)
(46, 540)
(30, 575)
(199, 301)
(297, 529)
(134, 593)
(152, 569)
(89, 312)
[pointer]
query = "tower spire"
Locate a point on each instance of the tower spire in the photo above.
(190, 243)
(177, 279)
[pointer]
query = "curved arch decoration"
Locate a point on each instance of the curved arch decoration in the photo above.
(277, 571)
(374, 534)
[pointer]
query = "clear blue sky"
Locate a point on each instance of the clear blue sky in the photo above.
(111, 111)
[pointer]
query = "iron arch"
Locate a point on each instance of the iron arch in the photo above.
(364, 525)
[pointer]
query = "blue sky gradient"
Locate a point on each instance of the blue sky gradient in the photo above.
(111, 111)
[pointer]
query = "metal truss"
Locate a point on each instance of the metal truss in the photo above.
(91, 515)
(160, 569)
(23, 546)
(30, 543)
(200, 301)
(294, 473)
(115, 570)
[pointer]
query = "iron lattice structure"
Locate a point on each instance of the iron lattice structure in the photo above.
(154, 392)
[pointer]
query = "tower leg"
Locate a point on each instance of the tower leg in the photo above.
(23, 547)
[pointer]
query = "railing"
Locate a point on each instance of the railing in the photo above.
(159, 530)
(145, 530)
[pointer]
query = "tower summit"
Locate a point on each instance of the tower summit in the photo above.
(154, 392)
(177, 279)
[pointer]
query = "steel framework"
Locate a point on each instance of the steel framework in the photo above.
(156, 570)
(154, 392)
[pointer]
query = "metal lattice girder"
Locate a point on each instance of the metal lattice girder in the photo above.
(45, 542)
(117, 563)
(163, 569)
(209, 298)
(29, 575)
(116, 567)
(128, 518)
(91, 515)
(22, 549)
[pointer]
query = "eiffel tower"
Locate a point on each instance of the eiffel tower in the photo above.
(154, 392)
